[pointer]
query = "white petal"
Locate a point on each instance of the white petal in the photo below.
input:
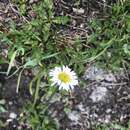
(66, 69)
(58, 69)
(64, 86)
(53, 84)
(73, 73)
(59, 82)
(74, 82)
(71, 86)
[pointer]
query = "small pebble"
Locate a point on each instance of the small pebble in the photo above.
(12, 115)
(98, 94)
(78, 11)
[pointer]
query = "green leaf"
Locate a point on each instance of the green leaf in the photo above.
(11, 62)
(2, 102)
(61, 20)
(2, 109)
(48, 3)
(126, 49)
(31, 63)
(50, 56)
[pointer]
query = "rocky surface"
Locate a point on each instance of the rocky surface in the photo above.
(13, 102)
(100, 102)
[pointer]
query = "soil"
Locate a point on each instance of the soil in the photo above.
(104, 99)
(101, 101)
(14, 101)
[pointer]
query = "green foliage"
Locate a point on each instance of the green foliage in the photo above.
(37, 42)
(115, 127)
(22, 4)
(110, 37)
(39, 115)
(39, 119)
(34, 42)
(2, 103)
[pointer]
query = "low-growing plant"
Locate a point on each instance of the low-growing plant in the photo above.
(114, 126)
(2, 108)
(38, 118)
(110, 37)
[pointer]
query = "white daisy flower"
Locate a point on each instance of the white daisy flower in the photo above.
(64, 77)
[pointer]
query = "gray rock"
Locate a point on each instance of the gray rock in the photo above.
(13, 115)
(95, 73)
(98, 94)
(74, 116)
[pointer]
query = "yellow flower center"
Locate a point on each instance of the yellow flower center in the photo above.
(64, 77)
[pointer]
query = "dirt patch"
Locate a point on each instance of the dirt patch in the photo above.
(99, 102)
(14, 102)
